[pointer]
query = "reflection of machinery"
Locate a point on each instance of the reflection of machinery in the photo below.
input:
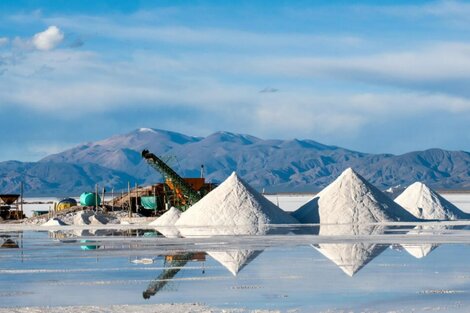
(176, 191)
(9, 208)
(10, 240)
(174, 264)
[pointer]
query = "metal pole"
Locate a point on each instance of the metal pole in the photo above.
(112, 197)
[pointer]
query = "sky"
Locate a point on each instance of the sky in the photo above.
(372, 76)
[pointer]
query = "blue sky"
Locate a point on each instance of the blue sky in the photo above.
(390, 76)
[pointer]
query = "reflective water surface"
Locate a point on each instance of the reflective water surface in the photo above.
(357, 268)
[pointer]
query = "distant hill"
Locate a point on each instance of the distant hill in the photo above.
(276, 165)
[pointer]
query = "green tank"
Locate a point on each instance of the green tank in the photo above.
(89, 199)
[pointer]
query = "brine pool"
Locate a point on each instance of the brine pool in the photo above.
(394, 268)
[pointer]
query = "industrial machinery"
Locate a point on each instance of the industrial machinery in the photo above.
(9, 208)
(176, 191)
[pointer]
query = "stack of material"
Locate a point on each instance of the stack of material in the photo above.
(233, 208)
(165, 224)
(54, 222)
(425, 203)
(351, 199)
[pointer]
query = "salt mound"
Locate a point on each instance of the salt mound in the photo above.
(165, 223)
(350, 258)
(82, 218)
(425, 203)
(169, 218)
(233, 208)
(54, 222)
(234, 260)
(98, 219)
(351, 199)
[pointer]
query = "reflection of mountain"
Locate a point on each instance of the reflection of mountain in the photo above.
(350, 257)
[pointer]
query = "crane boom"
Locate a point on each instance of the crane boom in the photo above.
(170, 175)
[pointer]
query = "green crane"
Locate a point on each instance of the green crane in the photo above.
(170, 176)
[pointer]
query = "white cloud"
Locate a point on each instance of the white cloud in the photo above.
(184, 35)
(48, 39)
(4, 41)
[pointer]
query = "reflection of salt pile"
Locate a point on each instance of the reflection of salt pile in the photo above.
(165, 223)
(425, 203)
(354, 203)
(234, 260)
(233, 208)
(351, 199)
(421, 250)
(351, 258)
(54, 222)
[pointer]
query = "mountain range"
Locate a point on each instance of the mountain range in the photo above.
(273, 165)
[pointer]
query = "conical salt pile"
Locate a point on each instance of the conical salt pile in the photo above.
(234, 260)
(82, 218)
(169, 218)
(425, 203)
(351, 199)
(350, 258)
(54, 222)
(165, 224)
(233, 208)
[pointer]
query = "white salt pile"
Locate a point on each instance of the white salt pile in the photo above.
(98, 219)
(234, 260)
(165, 224)
(351, 199)
(350, 258)
(425, 203)
(82, 218)
(233, 208)
(89, 218)
(54, 222)
(169, 218)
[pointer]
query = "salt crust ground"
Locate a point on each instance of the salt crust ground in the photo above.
(156, 308)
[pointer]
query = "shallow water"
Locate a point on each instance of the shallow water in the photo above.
(309, 269)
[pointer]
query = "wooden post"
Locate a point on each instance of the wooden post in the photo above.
(129, 196)
(103, 204)
(136, 195)
(112, 197)
(96, 197)
(21, 199)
